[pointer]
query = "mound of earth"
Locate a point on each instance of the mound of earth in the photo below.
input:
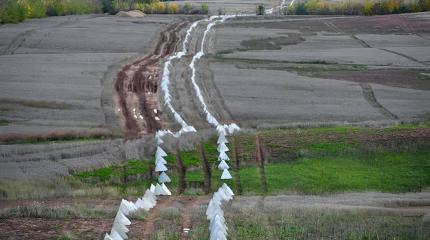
(133, 13)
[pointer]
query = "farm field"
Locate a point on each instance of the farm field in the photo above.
(333, 111)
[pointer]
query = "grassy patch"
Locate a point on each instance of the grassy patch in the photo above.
(311, 161)
(40, 211)
(4, 122)
(131, 168)
(276, 223)
(53, 137)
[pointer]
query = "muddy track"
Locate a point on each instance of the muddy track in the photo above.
(148, 226)
(370, 97)
(186, 214)
(136, 87)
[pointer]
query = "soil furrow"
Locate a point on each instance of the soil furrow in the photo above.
(136, 87)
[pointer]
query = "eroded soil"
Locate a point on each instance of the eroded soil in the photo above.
(137, 86)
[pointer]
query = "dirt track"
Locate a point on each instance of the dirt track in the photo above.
(136, 87)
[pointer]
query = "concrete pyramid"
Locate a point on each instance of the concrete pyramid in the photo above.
(127, 207)
(115, 235)
(160, 152)
(160, 167)
(166, 190)
(122, 230)
(160, 160)
(232, 128)
(226, 174)
(227, 189)
(222, 148)
(163, 178)
(223, 156)
(107, 237)
(143, 203)
(150, 197)
(121, 219)
(223, 165)
(222, 139)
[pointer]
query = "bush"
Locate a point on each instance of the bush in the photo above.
(159, 7)
(33, 9)
(11, 12)
(107, 6)
(205, 8)
(260, 10)
(172, 8)
(357, 7)
(139, 6)
(187, 8)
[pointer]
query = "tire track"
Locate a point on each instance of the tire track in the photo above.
(186, 214)
(405, 56)
(19, 40)
(370, 97)
(137, 85)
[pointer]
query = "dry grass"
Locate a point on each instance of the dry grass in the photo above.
(167, 224)
(55, 188)
(41, 211)
(274, 222)
(12, 138)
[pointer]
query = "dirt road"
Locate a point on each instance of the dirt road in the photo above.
(137, 84)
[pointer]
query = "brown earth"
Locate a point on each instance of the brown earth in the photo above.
(42, 229)
(396, 23)
(136, 87)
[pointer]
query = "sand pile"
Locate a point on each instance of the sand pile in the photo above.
(133, 13)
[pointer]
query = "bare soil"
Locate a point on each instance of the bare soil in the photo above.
(136, 87)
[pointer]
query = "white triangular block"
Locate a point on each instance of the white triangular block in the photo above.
(115, 235)
(160, 152)
(222, 147)
(216, 199)
(232, 128)
(160, 167)
(223, 165)
(127, 207)
(152, 188)
(225, 196)
(159, 190)
(222, 139)
(221, 129)
(218, 236)
(163, 178)
(121, 230)
(107, 237)
(143, 203)
(166, 190)
(188, 128)
(223, 157)
(227, 189)
(121, 219)
(160, 160)
(215, 210)
(150, 196)
(226, 174)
